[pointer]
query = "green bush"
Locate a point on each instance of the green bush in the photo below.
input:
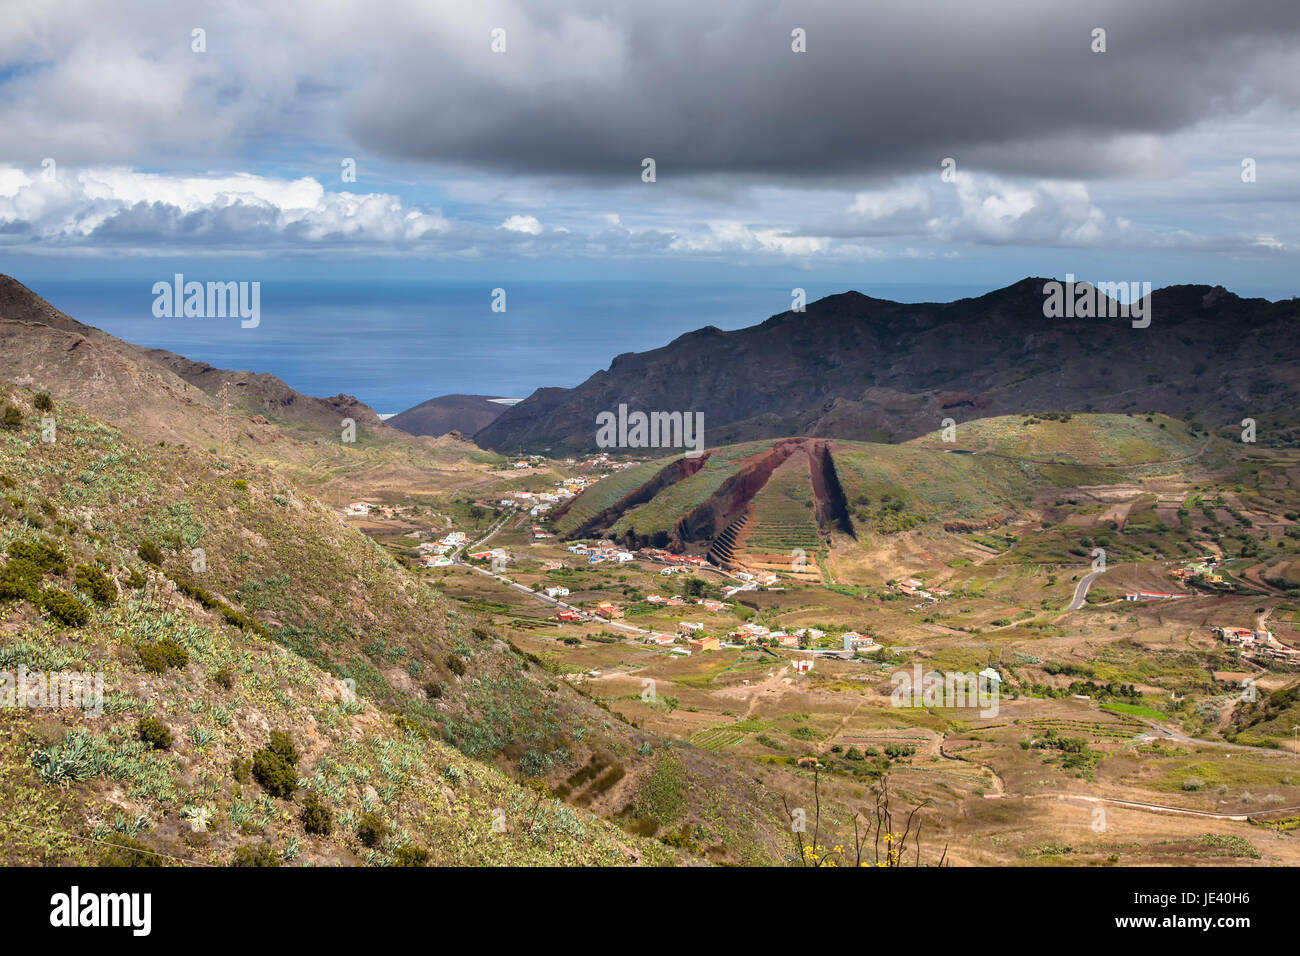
(19, 581)
(154, 732)
(150, 553)
(12, 420)
(276, 775)
(95, 583)
(282, 744)
(135, 580)
(64, 608)
(42, 553)
(410, 856)
(316, 817)
(42, 402)
(256, 854)
(456, 664)
(371, 829)
(224, 678)
(274, 766)
(157, 656)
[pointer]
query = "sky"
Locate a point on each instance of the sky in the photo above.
(926, 141)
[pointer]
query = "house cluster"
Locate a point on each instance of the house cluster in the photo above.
(757, 633)
(1204, 569)
(602, 552)
(675, 563)
(760, 578)
(914, 587)
(1259, 642)
(853, 641)
(601, 461)
(433, 554)
(608, 611)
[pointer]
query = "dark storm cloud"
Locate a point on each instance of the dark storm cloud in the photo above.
(884, 88)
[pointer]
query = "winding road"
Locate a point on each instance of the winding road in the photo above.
(1081, 590)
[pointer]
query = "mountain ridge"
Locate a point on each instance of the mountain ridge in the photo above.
(856, 367)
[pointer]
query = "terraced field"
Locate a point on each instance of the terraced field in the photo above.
(660, 514)
(606, 493)
(784, 516)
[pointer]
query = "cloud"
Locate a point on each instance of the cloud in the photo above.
(586, 89)
(120, 210)
(528, 224)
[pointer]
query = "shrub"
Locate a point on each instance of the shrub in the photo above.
(42, 402)
(316, 817)
(12, 420)
(456, 664)
(282, 745)
(240, 484)
(371, 829)
(95, 583)
(150, 553)
(433, 690)
(411, 856)
(135, 580)
(19, 581)
(224, 678)
(274, 765)
(157, 656)
(43, 554)
(256, 854)
(154, 732)
(64, 608)
(276, 775)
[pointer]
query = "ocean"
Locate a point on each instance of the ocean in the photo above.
(394, 344)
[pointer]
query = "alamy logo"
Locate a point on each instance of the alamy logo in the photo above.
(1086, 300)
(656, 430)
(84, 691)
(73, 909)
(933, 689)
(215, 300)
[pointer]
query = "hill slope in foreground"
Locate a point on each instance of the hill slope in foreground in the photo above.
(222, 604)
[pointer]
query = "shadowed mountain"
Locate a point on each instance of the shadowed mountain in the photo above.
(466, 414)
(857, 367)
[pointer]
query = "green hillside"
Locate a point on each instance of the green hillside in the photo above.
(222, 602)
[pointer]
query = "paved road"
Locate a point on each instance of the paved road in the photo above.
(1081, 591)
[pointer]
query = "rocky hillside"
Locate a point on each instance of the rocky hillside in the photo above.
(857, 367)
(158, 393)
(223, 603)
